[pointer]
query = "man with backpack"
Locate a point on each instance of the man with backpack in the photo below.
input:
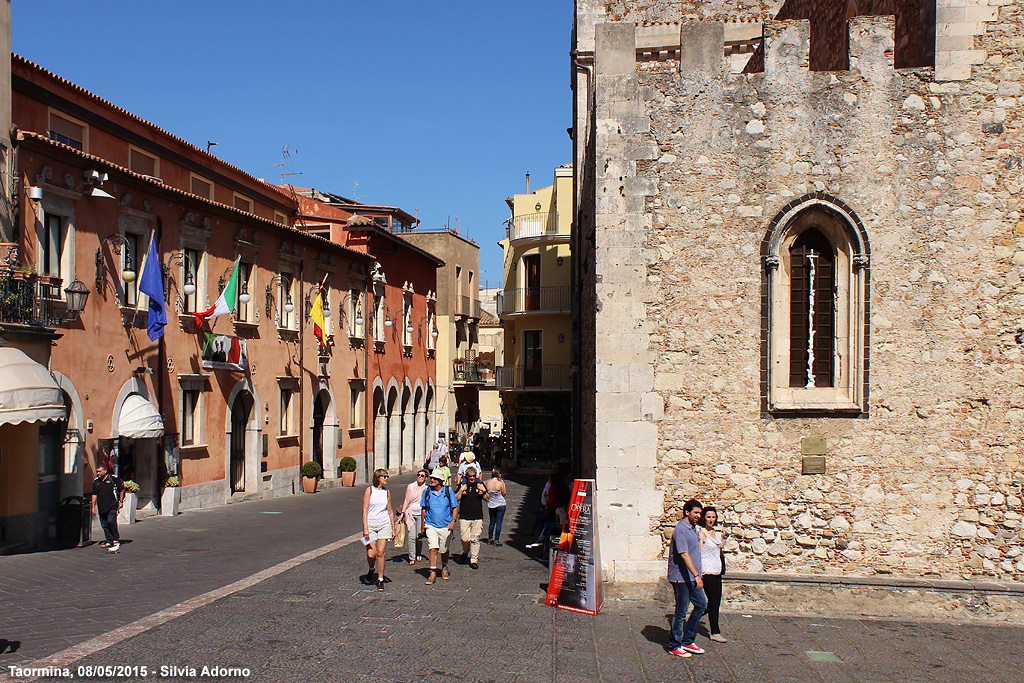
(107, 498)
(440, 510)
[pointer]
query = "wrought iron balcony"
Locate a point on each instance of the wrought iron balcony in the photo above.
(29, 299)
(535, 299)
(465, 306)
(534, 225)
(472, 372)
(552, 377)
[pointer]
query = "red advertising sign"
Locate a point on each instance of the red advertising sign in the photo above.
(575, 582)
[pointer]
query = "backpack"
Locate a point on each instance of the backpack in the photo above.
(449, 497)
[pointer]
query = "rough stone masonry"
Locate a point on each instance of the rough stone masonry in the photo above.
(685, 167)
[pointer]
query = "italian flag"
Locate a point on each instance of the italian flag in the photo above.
(222, 306)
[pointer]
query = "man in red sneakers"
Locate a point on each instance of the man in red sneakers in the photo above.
(684, 575)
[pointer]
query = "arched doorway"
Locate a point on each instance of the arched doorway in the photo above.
(430, 409)
(408, 430)
(319, 411)
(380, 429)
(241, 411)
(420, 425)
(394, 454)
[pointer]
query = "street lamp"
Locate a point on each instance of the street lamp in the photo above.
(181, 257)
(284, 281)
(77, 294)
(115, 242)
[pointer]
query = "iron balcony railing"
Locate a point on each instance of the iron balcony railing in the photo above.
(536, 376)
(467, 307)
(531, 299)
(471, 371)
(534, 225)
(29, 300)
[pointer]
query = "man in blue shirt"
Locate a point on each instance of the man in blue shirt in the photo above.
(684, 576)
(440, 510)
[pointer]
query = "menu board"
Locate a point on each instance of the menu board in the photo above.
(575, 582)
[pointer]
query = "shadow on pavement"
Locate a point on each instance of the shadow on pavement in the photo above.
(656, 634)
(518, 529)
(7, 646)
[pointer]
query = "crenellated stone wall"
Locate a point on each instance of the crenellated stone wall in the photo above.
(690, 165)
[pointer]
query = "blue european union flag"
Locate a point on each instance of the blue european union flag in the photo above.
(152, 285)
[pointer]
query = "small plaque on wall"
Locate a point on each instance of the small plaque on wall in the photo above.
(813, 464)
(813, 445)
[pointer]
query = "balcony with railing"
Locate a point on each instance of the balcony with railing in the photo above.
(467, 307)
(472, 372)
(30, 300)
(539, 376)
(535, 300)
(537, 226)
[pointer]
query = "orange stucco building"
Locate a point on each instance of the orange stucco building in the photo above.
(402, 321)
(235, 405)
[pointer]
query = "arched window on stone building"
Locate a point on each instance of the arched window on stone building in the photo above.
(815, 310)
(812, 310)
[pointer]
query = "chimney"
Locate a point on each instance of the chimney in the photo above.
(527, 182)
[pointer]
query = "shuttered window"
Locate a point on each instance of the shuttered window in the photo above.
(812, 311)
(142, 163)
(65, 130)
(243, 203)
(202, 187)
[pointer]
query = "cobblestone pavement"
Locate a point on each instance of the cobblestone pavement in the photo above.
(315, 621)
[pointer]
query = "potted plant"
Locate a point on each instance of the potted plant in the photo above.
(347, 467)
(311, 472)
(171, 497)
(126, 515)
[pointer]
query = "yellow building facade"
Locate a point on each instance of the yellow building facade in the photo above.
(535, 306)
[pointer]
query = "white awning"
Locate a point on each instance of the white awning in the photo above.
(139, 419)
(28, 392)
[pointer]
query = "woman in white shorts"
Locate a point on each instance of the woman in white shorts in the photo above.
(378, 525)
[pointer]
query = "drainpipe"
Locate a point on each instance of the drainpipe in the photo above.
(367, 399)
(161, 363)
(301, 303)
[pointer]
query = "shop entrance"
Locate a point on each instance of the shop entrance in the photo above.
(240, 412)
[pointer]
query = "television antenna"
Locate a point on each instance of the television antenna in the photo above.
(355, 197)
(286, 154)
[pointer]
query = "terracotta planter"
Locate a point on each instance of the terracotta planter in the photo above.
(348, 478)
(309, 484)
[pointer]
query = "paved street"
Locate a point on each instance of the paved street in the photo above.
(311, 619)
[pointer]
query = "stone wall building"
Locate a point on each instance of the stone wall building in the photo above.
(795, 268)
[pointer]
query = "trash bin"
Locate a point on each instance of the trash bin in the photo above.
(70, 515)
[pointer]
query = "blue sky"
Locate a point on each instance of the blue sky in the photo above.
(441, 107)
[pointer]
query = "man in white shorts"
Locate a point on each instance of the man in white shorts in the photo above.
(440, 510)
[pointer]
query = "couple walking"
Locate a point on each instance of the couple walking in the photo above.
(696, 565)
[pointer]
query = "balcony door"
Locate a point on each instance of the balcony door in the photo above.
(532, 359)
(531, 273)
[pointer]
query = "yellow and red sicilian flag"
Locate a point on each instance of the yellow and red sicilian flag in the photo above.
(316, 314)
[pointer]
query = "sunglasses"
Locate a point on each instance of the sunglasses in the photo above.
(385, 476)
(420, 476)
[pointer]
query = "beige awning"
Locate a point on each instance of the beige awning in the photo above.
(28, 392)
(139, 419)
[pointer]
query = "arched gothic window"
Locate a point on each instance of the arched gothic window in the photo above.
(815, 336)
(812, 311)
